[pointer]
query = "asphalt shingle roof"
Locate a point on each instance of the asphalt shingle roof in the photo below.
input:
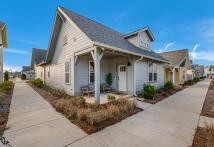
(105, 35)
(26, 68)
(175, 57)
(38, 55)
(2, 24)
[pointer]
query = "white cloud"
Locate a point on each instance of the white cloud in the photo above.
(16, 51)
(119, 16)
(166, 47)
(12, 68)
(29, 42)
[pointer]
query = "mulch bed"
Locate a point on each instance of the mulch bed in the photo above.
(208, 107)
(204, 137)
(163, 94)
(83, 125)
(4, 109)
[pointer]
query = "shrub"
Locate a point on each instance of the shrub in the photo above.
(111, 98)
(6, 86)
(6, 76)
(109, 79)
(38, 83)
(196, 79)
(168, 85)
(148, 91)
(23, 76)
(189, 82)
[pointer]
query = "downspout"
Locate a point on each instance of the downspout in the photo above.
(141, 58)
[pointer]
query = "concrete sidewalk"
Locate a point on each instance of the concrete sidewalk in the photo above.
(33, 122)
(169, 123)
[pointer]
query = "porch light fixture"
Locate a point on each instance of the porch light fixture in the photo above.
(129, 64)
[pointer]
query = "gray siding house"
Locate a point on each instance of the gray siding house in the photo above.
(81, 52)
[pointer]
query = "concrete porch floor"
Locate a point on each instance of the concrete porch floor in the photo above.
(104, 97)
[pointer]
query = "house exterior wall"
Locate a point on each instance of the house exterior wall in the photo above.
(76, 40)
(39, 72)
(142, 75)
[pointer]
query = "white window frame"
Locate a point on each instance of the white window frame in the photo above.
(89, 72)
(153, 72)
(67, 72)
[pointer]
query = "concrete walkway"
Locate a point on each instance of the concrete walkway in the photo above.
(169, 123)
(34, 123)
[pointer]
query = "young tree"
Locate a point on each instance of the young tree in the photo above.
(6, 76)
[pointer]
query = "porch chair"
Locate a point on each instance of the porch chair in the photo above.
(105, 88)
(87, 90)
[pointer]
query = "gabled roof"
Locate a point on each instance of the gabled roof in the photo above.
(100, 34)
(26, 68)
(38, 56)
(176, 57)
(2, 24)
(145, 29)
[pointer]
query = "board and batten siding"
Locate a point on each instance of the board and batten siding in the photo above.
(142, 75)
(76, 40)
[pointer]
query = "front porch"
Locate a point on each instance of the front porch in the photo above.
(91, 68)
(172, 73)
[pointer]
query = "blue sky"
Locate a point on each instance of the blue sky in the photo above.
(175, 24)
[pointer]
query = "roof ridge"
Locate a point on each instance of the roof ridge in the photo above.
(92, 20)
(174, 51)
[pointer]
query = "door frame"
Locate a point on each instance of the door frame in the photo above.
(118, 68)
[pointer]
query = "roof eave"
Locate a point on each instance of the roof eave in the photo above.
(133, 53)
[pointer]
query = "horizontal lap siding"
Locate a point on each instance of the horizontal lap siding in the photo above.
(76, 40)
(142, 75)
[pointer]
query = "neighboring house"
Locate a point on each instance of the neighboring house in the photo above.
(210, 73)
(198, 70)
(82, 52)
(29, 73)
(3, 44)
(178, 71)
(38, 57)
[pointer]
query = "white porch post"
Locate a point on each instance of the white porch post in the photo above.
(97, 56)
(173, 75)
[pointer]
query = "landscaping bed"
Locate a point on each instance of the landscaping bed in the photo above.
(204, 137)
(90, 117)
(208, 107)
(6, 90)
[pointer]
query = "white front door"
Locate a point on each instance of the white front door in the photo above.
(122, 80)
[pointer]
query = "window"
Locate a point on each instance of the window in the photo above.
(67, 72)
(41, 74)
(152, 72)
(91, 72)
(155, 72)
(122, 68)
(183, 75)
(65, 40)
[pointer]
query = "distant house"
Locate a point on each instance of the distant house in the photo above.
(82, 52)
(29, 73)
(178, 71)
(198, 70)
(38, 57)
(3, 44)
(209, 72)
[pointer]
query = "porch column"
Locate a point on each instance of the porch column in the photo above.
(173, 75)
(97, 56)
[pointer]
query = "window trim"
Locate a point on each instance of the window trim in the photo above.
(68, 72)
(153, 73)
(89, 72)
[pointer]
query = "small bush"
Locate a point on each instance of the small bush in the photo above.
(38, 83)
(168, 85)
(111, 98)
(6, 76)
(196, 79)
(109, 79)
(6, 86)
(23, 76)
(189, 82)
(148, 91)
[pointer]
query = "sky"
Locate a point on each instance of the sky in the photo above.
(176, 24)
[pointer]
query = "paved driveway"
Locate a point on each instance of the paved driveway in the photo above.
(169, 123)
(34, 123)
